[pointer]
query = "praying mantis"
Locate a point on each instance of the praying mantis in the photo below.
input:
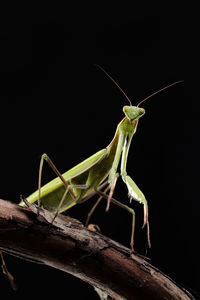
(98, 171)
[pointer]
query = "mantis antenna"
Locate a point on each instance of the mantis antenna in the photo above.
(115, 83)
(166, 87)
(157, 92)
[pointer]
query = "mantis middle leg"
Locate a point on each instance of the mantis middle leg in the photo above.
(95, 206)
(130, 210)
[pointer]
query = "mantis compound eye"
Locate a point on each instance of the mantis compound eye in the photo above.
(141, 111)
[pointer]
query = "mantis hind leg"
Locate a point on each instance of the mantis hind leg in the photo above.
(80, 186)
(130, 210)
(51, 164)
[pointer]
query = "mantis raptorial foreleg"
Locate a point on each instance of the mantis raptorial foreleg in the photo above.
(133, 190)
(112, 188)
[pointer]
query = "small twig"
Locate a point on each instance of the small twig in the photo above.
(69, 246)
(7, 273)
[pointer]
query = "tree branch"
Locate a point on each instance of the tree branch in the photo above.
(88, 255)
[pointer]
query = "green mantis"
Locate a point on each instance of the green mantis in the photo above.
(97, 172)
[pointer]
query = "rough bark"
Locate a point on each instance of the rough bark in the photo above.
(88, 255)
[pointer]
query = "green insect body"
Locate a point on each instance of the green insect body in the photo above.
(89, 177)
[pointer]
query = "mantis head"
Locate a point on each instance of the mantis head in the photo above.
(133, 112)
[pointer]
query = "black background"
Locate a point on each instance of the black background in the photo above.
(54, 100)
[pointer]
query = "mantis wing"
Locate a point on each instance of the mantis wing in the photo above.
(72, 173)
(85, 165)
